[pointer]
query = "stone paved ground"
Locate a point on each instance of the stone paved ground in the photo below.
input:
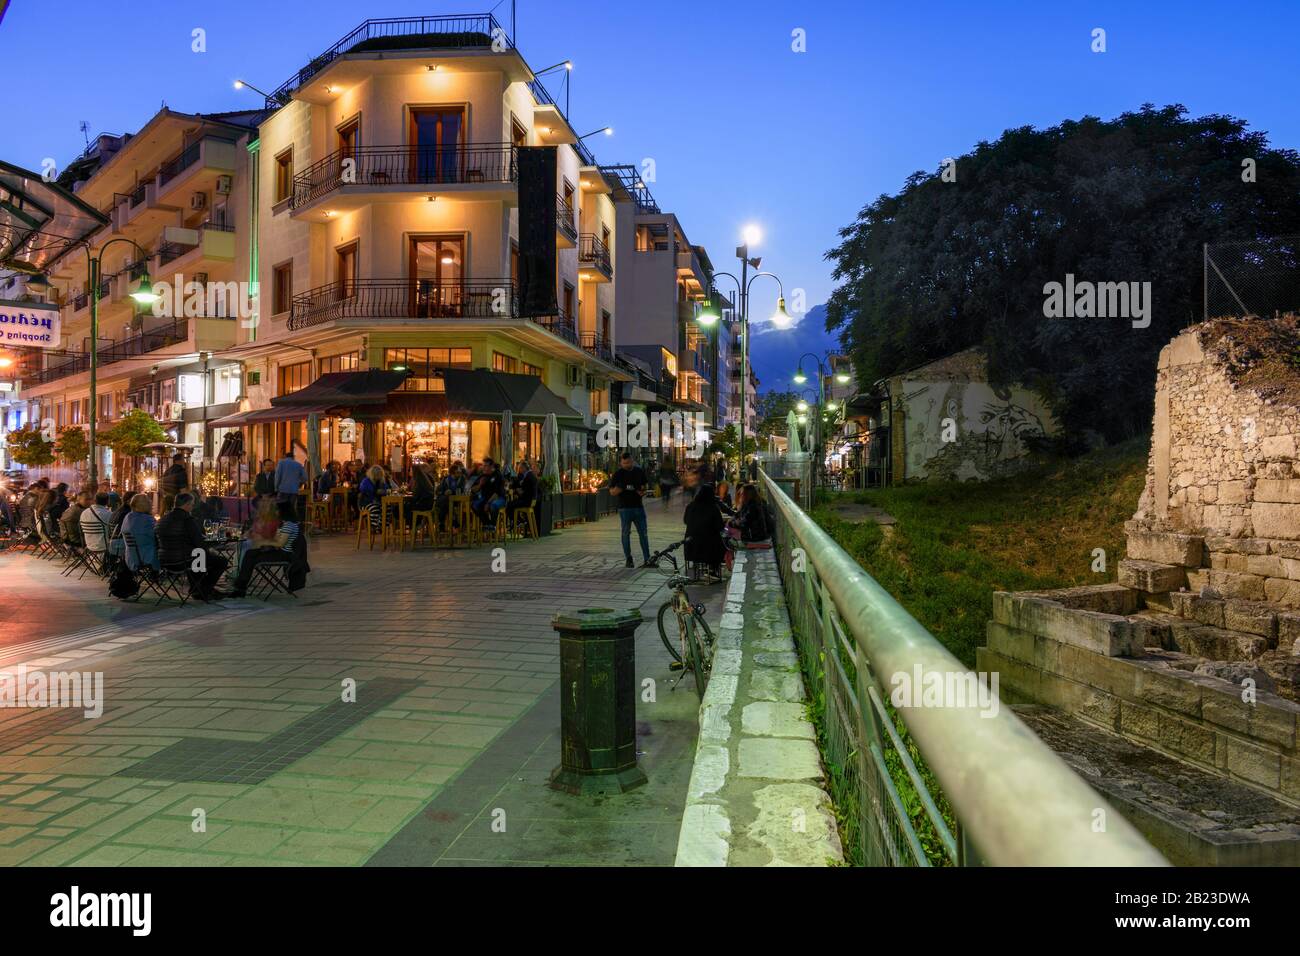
(234, 710)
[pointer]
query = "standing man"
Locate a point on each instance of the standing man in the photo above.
(174, 480)
(290, 476)
(629, 483)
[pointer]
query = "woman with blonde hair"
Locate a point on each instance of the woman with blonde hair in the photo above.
(373, 487)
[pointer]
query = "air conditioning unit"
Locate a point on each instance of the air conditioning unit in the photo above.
(199, 201)
(572, 376)
(223, 185)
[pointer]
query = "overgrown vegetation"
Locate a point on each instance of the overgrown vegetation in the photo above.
(955, 543)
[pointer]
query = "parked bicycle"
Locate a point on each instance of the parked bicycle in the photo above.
(692, 645)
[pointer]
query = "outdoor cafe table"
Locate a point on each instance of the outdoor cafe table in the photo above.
(340, 505)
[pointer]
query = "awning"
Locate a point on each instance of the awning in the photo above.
(263, 416)
(344, 390)
(473, 393)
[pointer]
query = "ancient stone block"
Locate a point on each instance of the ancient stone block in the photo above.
(1010, 641)
(1193, 607)
(1217, 644)
(1107, 634)
(1273, 520)
(1138, 721)
(1286, 491)
(1196, 578)
(1282, 592)
(1232, 492)
(1284, 668)
(1168, 688)
(1185, 738)
(1166, 547)
(1248, 587)
(1236, 545)
(1237, 673)
(1265, 565)
(1278, 446)
(1223, 561)
(1151, 576)
(1252, 617)
(1253, 763)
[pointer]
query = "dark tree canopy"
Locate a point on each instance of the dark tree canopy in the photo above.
(946, 265)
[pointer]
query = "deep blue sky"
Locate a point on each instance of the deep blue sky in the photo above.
(740, 127)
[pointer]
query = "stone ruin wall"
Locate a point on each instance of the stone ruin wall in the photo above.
(1222, 497)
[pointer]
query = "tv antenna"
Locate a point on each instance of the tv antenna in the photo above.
(85, 133)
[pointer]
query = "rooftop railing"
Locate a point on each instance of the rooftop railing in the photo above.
(461, 31)
(1013, 801)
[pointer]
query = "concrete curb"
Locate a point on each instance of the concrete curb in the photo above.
(756, 796)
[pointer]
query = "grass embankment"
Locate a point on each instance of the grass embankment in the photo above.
(954, 544)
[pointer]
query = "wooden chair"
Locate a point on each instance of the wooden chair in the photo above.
(458, 526)
(431, 526)
(525, 523)
(338, 508)
(363, 522)
(393, 527)
(318, 515)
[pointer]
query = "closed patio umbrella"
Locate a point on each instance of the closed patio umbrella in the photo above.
(792, 433)
(551, 448)
(507, 440)
(313, 444)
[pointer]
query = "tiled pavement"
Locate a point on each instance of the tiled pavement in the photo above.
(236, 710)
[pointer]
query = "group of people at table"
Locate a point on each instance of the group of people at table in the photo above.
(489, 487)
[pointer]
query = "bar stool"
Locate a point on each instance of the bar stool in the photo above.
(318, 515)
(525, 523)
(458, 519)
(393, 528)
(338, 508)
(363, 521)
(431, 526)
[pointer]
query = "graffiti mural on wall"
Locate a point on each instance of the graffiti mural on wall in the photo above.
(969, 430)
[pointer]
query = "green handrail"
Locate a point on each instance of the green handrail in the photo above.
(1015, 800)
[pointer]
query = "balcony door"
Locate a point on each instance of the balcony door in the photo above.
(436, 135)
(437, 270)
(346, 268)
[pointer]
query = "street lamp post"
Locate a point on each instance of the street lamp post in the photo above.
(144, 295)
(817, 436)
(780, 317)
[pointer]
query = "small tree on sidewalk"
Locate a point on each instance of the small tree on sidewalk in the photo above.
(73, 448)
(28, 446)
(131, 433)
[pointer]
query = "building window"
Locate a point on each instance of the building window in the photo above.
(599, 401)
(426, 365)
(568, 300)
(518, 135)
(281, 288)
(347, 269)
(504, 363)
(346, 362)
(606, 324)
(529, 369)
(294, 377)
(284, 175)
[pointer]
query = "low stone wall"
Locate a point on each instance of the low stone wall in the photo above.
(1153, 695)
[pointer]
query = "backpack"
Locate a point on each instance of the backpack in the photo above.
(122, 584)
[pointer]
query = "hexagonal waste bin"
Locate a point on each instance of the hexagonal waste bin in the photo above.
(597, 701)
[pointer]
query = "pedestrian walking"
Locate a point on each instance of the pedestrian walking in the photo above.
(629, 484)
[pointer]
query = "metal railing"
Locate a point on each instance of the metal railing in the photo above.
(174, 167)
(147, 340)
(560, 324)
(593, 251)
(404, 299)
(597, 344)
(564, 219)
(406, 165)
(1015, 802)
(397, 33)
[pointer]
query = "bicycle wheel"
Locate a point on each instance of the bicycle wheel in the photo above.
(667, 614)
(708, 634)
(699, 665)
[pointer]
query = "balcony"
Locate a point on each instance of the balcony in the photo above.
(196, 169)
(182, 249)
(594, 263)
(403, 299)
(566, 225)
(597, 345)
(401, 173)
(560, 324)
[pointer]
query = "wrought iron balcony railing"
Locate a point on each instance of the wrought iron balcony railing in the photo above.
(564, 218)
(406, 166)
(598, 345)
(149, 340)
(560, 324)
(400, 33)
(404, 299)
(593, 252)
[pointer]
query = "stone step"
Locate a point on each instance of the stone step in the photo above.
(1193, 817)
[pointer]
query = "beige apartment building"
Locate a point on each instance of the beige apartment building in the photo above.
(391, 181)
(177, 191)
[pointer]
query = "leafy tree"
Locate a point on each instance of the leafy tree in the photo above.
(945, 265)
(773, 407)
(727, 443)
(131, 433)
(72, 447)
(28, 446)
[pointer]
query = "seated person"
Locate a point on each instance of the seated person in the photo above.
(424, 490)
(525, 491)
(453, 483)
(489, 493)
(372, 489)
(140, 525)
(751, 517)
(704, 530)
(284, 547)
(181, 545)
(70, 523)
(95, 523)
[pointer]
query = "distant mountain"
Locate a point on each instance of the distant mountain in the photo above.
(775, 353)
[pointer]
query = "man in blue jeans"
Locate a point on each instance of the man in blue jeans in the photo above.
(629, 484)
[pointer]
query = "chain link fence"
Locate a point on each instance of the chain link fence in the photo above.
(1252, 277)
